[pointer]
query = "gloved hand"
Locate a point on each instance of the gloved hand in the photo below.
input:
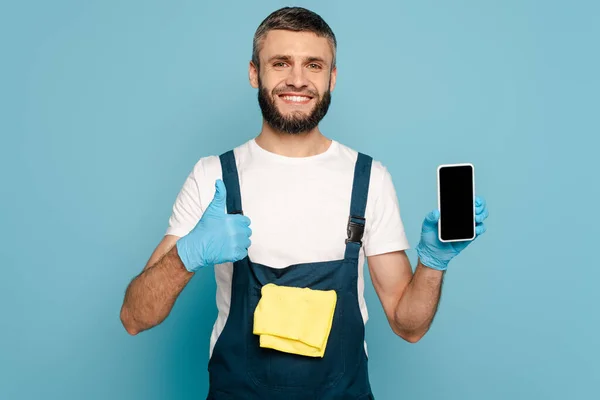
(435, 254)
(217, 238)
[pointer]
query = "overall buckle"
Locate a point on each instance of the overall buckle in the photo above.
(355, 230)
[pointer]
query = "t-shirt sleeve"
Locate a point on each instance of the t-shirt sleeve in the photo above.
(385, 232)
(187, 209)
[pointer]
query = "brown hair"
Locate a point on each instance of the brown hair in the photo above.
(295, 19)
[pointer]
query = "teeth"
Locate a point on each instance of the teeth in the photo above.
(296, 98)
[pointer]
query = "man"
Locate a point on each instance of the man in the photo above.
(317, 208)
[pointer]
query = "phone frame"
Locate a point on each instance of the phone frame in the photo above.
(440, 203)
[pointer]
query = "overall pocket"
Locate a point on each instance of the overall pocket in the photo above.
(277, 369)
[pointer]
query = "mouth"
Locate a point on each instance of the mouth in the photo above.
(295, 99)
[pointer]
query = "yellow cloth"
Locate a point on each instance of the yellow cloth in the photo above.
(294, 320)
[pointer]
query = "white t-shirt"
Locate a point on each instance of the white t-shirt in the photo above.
(298, 207)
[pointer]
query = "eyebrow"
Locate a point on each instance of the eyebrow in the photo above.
(315, 59)
(286, 58)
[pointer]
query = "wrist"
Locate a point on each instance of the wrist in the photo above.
(427, 259)
(175, 262)
(182, 248)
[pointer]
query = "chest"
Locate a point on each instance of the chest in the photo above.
(297, 215)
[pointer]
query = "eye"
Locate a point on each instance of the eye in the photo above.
(314, 66)
(279, 64)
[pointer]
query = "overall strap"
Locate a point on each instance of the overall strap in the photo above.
(232, 183)
(358, 204)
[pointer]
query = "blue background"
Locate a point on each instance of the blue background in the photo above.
(107, 105)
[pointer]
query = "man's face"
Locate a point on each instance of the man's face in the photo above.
(295, 80)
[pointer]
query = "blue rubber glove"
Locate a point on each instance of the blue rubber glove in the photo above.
(435, 254)
(217, 238)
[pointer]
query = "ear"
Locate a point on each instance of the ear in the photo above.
(253, 75)
(333, 78)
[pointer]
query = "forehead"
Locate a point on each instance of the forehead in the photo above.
(295, 44)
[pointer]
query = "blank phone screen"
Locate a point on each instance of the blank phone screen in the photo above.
(456, 202)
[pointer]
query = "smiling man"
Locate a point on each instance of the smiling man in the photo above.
(297, 77)
(287, 220)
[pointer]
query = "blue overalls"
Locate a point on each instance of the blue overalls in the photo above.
(240, 369)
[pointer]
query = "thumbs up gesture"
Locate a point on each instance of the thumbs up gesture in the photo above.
(217, 238)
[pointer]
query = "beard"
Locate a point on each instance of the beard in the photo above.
(297, 122)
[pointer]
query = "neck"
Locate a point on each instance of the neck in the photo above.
(303, 144)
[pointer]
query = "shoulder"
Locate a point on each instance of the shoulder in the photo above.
(209, 166)
(379, 171)
(207, 170)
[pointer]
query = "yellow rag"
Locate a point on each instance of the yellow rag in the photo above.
(294, 320)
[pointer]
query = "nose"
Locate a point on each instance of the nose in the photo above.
(297, 77)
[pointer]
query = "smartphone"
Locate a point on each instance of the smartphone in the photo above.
(456, 202)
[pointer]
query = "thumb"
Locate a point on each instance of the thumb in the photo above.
(432, 218)
(219, 200)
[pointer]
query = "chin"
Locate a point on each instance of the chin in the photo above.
(296, 114)
(294, 111)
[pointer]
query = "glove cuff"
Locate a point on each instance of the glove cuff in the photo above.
(428, 260)
(182, 251)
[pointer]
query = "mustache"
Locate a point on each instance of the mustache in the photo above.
(292, 89)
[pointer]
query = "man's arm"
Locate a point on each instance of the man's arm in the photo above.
(409, 300)
(151, 295)
(217, 238)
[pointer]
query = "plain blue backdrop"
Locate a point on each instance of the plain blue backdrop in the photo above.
(106, 106)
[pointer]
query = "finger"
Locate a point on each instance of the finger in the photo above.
(220, 198)
(242, 219)
(248, 232)
(433, 217)
(480, 208)
(480, 229)
(247, 243)
(482, 216)
(479, 201)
